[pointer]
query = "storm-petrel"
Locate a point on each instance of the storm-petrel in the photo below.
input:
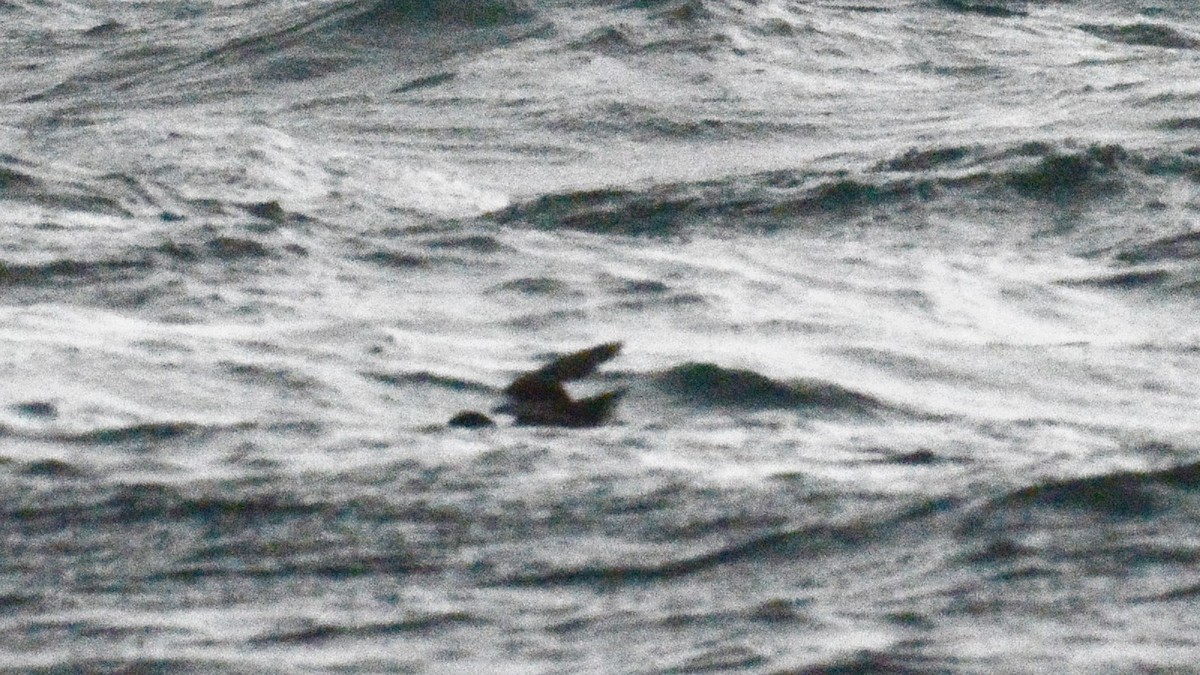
(538, 398)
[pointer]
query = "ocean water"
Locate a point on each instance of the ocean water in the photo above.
(907, 290)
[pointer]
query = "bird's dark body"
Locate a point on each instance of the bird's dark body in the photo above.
(538, 398)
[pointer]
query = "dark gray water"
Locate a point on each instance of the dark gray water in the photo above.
(907, 291)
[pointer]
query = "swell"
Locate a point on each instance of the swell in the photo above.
(141, 266)
(1126, 207)
(992, 9)
(993, 533)
(57, 271)
(38, 181)
(903, 659)
(1184, 246)
(280, 44)
(690, 27)
(273, 561)
(476, 13)
(790, 544)
(1143, 34)
(375, 24)
(1031, 175)
(85, 664)
(171, 233)
(1148, 260)
(710, 385)
(140, 261)
(190, 533)
(141, 433)
(149, 432)
(426, 378)
(324, 632)
(27, 187)
(1135, 524)
(1121, 494)
(1167, 263)
(785, 545)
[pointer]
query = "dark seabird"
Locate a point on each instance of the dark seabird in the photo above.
(538, 398)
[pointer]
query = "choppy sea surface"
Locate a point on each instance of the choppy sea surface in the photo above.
(908, 291)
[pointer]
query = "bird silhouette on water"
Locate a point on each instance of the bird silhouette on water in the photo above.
(538, 398)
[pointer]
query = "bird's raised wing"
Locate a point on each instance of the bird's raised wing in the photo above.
(576, 365)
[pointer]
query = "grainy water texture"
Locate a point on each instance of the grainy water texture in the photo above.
(908, 292)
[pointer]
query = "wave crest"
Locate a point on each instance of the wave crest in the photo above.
(1124, 494)
(707, 384)
(1026, 176)
(479, 13)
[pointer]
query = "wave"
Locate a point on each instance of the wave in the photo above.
(1143, 34)
(472, 13)
(598, 120)
(915, 160)
(443, 250)
(15, 182)
(424, 33)
(315, 633)
(26, 187)
(248, 530)
(101, 664)
(36, 409)
(707, 384)
(1178, 247)
(608, 211)
(279, 44)
(226, 248)
(42, 183)
(998, 9)
(1180, 124)
(141, 433)
(53, 468)
(137, 503)
(788, 544)
(1166, 263)
(1062, 175)
(688, 27)
(905, 660)
(20, 600)
(1043, 532)
(426, 378)
(1125, 280)
(425, 82)
(548, 286)
(88, 507)
(55, 272)
(1186, 593)
(1029, 174)
(174, 250)
(1120, 494)
(269, 561)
